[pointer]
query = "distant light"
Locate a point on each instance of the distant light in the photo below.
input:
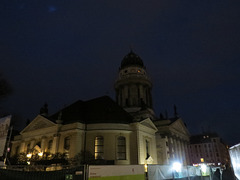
(28, 162)
(40, 154)
(204, 168)
(145, 167)
(202, 160)
(29, 155)
(177, 166)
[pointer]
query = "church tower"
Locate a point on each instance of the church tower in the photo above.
(133, 87)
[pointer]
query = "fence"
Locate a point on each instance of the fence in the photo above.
(42, 173)
(166, 172)
(109, 172)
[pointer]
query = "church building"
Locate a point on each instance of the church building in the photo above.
(125, 131)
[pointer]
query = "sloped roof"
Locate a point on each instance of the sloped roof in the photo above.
(98, 110)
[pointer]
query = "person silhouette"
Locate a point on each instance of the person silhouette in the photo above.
(217, 174)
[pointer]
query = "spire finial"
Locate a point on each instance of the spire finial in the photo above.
(175, 111)
(59, 119)
(131, 48)
(44, 110)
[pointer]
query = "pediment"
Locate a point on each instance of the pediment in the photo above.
(39, 122)
(148, 123)
(179, 126)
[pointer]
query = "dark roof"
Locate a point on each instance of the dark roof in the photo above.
(202, 138)
(131, 59)
(98, 110)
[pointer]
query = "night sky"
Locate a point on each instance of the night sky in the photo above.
(61, 51)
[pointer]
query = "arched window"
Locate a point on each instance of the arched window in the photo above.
(121, 148)
(99, 147)
(67, 143)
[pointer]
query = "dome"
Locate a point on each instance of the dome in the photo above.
(132, 59)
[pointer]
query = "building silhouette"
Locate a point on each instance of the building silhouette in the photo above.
(208, 148)
(125, 131)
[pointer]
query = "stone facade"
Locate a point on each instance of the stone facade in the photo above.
(43, 135)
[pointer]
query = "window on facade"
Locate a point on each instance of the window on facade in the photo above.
(147, 149)
(121, 148)
(99, 147)
(67, 143)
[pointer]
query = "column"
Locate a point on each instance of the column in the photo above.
(179, 150)
(183, 152)
(187, 153)
(43, 144)
(55, 143)
(22, 147)
(32, 144)
(175, 149)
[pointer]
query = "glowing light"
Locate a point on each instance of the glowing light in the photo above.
(204, 168)
(28, 162)
(202, 160)
(29, 155)
(146, 167)
(40, 154)
(177, 166)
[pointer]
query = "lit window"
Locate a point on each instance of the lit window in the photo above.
(121, 148)
(67, 143)
(138, 70)
(99, 147)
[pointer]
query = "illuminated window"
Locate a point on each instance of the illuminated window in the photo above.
(99, 147)
(121, 148)
(138, 70)
(67, 143)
